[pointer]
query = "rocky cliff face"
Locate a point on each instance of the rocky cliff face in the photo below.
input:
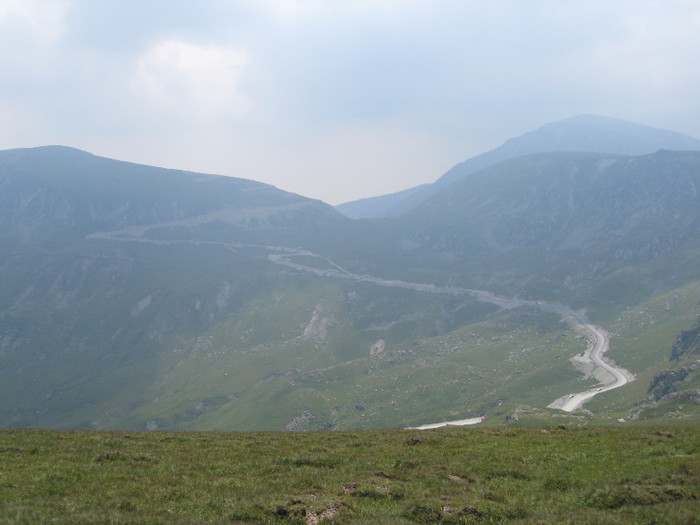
(687, 344)
(666, 382)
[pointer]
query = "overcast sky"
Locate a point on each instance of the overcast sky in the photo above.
(335, 99)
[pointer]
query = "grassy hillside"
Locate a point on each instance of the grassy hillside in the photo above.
(245, 344)
(487, 475)
(139, 298)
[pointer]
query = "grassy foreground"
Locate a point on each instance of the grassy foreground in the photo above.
(452, 475)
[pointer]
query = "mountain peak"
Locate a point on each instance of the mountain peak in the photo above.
(598, 134)
(581, 133)
(50, 149)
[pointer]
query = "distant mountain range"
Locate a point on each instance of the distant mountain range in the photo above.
(136, 297)
(584, 133)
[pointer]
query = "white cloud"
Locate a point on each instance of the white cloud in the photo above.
(335, 99)
(297, 10)
(190, 80)
(32, 21)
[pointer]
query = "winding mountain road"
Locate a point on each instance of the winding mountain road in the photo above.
(610, 376)
(590, 362)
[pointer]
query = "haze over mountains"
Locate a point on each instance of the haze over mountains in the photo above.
(584, 133)
(138, 297)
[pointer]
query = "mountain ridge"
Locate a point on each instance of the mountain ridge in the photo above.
(583, 133)
(538, 204)
(137, 298)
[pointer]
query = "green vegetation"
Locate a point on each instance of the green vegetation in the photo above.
(643, 337)
(452, 475)
(136, 298)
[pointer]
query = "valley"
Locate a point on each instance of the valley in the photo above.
(528, 287)
(591, 361)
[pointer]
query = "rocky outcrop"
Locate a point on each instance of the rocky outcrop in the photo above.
(687, 343)
(666, 382)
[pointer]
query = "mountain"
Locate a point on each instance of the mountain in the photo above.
(135, 297)
(107, 266)
(55, 190)
(138, 297)
(377, 207)
(584, 133)
(559, 224)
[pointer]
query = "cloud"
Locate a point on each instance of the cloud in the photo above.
(190, 80)
(32, 21)
(335, 98)
(28, 31)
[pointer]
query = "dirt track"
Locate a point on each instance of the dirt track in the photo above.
(592, 362)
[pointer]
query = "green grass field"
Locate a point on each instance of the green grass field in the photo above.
(552, 474)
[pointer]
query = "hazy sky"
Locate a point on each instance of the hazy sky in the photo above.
(335, 99)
